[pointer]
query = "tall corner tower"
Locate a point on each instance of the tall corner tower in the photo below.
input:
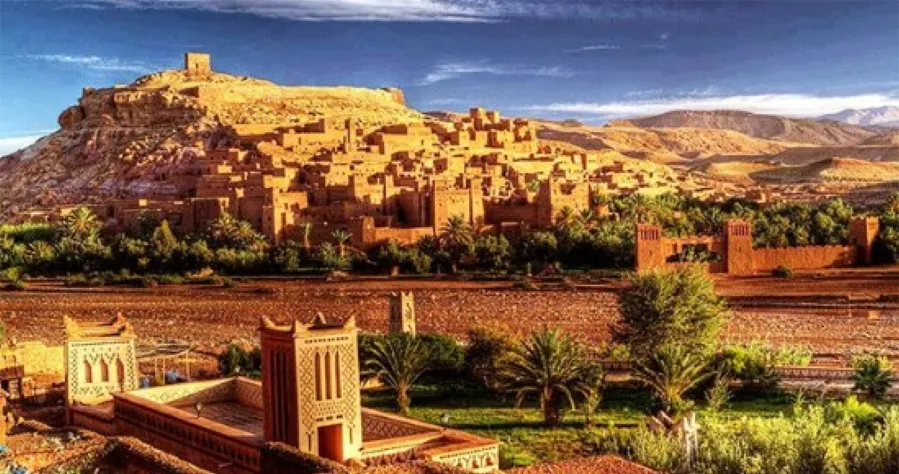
(310, 382)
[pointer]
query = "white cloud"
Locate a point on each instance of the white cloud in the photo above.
(796, 105)
(595, 47)
(418, 10)
(452, 70)
(13, 144)
(94, 63)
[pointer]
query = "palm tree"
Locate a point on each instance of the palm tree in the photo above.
(873, 375)
(587, 218)
(670, 372)
(399, 362)
(306, 228)
(81, 223)
(457, 237)
(590, 389)
(341, 237)
(550, 365)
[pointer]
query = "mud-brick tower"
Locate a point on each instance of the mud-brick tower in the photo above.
(402, 312)
(310, 380)
(197, 63)
(649, 247)
(738, 236)
(862, 233)
(100, 359)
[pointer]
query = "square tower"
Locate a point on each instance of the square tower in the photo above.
(402, 312)
(649, 248)
(197, 63)
(100, 360)
(738, 236)
(310, 380)
(862, 233)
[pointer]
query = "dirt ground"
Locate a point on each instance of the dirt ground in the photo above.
(835, 313)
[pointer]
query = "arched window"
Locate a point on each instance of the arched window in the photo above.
(88, 372)
(318, 376)
(104, 371)
(328, 393)
(337, 374)
(120, 373)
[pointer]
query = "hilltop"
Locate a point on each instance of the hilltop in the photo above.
(127, 139)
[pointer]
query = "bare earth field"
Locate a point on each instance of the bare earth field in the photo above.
(835, 313)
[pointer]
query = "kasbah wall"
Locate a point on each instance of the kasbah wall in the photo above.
(738, 257)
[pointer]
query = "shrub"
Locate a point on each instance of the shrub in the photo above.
(873, 375)
(16, 285)
(236, 360)
(169, 279)
(782, 271)
(486, 348)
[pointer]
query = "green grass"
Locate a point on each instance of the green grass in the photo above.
(525, 439)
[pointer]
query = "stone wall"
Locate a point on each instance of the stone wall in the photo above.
(804, 258)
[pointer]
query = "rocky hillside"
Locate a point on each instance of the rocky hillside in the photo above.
(761, 126)
(129, 139)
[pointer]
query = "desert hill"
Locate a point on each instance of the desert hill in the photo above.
(661, 145)
(761, 126)
(831, 170)
(129, 139)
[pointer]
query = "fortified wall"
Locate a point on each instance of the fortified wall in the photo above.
(732, 252)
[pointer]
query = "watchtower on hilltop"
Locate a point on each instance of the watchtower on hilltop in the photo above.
(197, 63)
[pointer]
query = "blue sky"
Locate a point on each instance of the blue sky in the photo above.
(591, 60)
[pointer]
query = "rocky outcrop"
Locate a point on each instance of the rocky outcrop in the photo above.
(128, 140)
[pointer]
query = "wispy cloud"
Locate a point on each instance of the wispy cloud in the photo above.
(421, 10)
(12, 144)
(660, 43)
(797, 105)
(453, 70)
(94, 63)
(594, 47)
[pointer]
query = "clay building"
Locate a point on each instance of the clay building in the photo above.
(308, 402)
(732, 251)
(394, 181)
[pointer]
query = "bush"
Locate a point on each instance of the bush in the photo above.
(873, 375)
(16, 285)
(486, 347)
(236, 360)
(783, 271)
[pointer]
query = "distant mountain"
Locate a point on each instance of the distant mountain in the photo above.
(769, 127)
(887, 116)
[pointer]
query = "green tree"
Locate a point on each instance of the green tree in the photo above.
(873, 375)
(591, 390)
(399, 362)
(81, 224)
(457, 238)
(549, 365)
(486, 348)
(670, 372)
(163, 245)
(663, 308)
(341, 237)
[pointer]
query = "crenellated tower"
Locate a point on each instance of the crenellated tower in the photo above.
(310, 380)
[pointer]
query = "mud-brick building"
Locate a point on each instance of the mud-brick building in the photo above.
(307, 404)
(732, 251)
